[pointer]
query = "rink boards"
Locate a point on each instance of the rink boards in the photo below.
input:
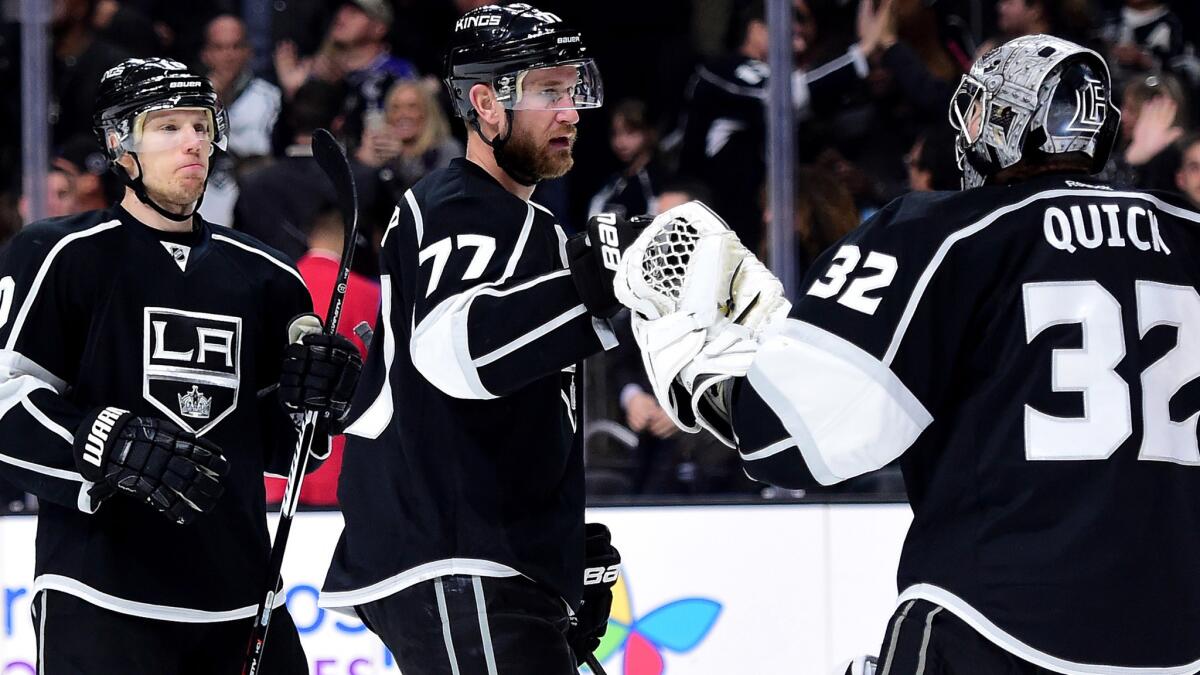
(764, 589)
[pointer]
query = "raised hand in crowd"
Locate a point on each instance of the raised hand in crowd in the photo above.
(876, 25)
(1155, 130)
(642, 413)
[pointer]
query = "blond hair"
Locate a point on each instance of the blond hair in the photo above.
(436, 129)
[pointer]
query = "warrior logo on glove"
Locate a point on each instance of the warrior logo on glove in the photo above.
(151, 460)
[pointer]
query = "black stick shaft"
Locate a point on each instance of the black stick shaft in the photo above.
(594, 664)
(333, 162)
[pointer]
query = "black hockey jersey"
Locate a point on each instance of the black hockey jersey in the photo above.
(99, 309)
(462, 456)
(1031, 354)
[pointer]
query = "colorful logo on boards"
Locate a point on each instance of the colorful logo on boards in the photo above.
(678, 626)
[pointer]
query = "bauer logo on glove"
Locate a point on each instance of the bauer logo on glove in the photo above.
(594, 257)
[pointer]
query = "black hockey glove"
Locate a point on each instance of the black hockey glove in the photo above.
(601, 568)
(319, 373)
(152, 460)
(593, 256)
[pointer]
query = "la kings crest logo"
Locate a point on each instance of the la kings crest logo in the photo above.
(191, 365)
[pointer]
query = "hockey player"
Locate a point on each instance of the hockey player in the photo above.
(462, 482)
(141, 377)
(1027, 348)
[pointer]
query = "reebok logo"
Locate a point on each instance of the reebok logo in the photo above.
(93, 449)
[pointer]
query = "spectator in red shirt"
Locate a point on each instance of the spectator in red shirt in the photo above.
(319, 267)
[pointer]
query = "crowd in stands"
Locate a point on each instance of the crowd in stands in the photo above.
(685, 85)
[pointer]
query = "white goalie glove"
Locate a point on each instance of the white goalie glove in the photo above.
(700, 302)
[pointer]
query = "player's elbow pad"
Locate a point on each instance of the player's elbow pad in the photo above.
(440, 352)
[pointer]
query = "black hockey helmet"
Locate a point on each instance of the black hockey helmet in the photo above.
(135, 87)
(498, 46)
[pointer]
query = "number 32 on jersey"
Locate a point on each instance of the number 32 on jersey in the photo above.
(845, 262)
(1107, 409)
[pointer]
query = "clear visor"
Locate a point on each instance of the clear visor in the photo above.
(967, 108)
(570, 86)
(166, 129)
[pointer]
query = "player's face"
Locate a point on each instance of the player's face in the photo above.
(1188, 178)
(542, 140)
(173, 150)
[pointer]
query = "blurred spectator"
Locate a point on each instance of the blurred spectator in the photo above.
(251, 102)
(319, 267)
(932, 162)
(1015, 18)
(122, 24)
(80, 58)
(276, 203)
(60, 192)
(824, 213)
(1070, 19)
(632, 190)
(924, 78)
(1188, 177)
(96, 186)
(180, 25)
(724, 126)
(301, 25)
(355, 51)
(681, 191)
(407, 139)
(1153, 118)
(1146, 36)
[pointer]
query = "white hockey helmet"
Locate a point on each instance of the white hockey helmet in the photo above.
(1033, 94)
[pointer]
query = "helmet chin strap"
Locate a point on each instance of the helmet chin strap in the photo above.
(139, 189)
(503, 158)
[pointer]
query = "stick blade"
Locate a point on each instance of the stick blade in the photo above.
(332, 159)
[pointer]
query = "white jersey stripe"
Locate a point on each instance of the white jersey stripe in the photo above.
(378, 415)
(19, 323)
(55, 582)
(415, 575)
(927, 276)
(274, 261)
(981, 624)
(444, 614)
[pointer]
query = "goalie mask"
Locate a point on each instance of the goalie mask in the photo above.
(133, 89)
(530, 58)
(1034, 94)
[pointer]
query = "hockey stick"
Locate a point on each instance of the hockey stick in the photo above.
(590, 660)
(332, 160)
